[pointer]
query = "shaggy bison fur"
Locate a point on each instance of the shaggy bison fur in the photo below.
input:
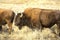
(38, 18)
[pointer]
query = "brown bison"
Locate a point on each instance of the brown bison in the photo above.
(38, 18)
(6, 17)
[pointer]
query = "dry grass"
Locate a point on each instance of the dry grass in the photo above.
(28, 34)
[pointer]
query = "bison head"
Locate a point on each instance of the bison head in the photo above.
(19, 20)
(22, 20)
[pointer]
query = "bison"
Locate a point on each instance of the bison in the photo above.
(6, 17)
(38, 18)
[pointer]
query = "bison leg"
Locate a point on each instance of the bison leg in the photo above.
(0, 28)
(58, 26)
(9, 25)
(36, 25)
(39, 26)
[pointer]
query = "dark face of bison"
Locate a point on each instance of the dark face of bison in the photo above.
(19, 20)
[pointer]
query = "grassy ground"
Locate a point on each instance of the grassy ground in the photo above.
(28, 34)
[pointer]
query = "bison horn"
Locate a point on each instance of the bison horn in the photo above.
(21, 15)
